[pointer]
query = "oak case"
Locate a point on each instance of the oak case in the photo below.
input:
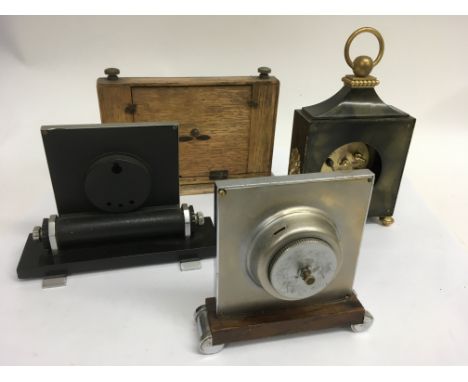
(227, 124)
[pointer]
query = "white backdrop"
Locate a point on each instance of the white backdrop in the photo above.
(49, 66)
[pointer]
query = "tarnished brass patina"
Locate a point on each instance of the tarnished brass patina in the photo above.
(362, 65)
(355, 129)
(295, 162)
(387, 220)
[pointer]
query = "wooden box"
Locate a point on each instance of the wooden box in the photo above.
(227, 124)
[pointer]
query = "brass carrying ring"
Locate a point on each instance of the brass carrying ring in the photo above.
(371, 30)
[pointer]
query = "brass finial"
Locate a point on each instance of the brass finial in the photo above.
(362, 65)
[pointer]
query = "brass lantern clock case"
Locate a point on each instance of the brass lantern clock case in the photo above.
(355, 129)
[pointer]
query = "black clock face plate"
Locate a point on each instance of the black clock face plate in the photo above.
(112, 167)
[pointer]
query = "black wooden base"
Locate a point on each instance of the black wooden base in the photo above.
(38, 262)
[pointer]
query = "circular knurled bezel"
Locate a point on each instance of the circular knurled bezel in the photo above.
(279, 230)
(286, 266)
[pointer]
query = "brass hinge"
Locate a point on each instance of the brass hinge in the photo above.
(130, 108)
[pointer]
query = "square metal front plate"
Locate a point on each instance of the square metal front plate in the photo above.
(242, 204)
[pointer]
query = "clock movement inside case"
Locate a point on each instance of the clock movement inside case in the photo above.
(353, 156)
(354, 130)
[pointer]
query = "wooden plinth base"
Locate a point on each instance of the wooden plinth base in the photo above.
(309, 317)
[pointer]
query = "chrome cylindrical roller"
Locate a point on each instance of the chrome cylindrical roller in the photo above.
(204, 332)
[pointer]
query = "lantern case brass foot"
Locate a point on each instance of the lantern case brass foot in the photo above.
(387, 220)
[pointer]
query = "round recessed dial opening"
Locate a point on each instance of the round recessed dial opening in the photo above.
(118, 183)
(353, 156)
(294, 253)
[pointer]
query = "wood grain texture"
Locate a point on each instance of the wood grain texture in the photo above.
(238, 113)
(221, 112)
(262, 130)
(184, 81)
(303, 318)
(112, 103)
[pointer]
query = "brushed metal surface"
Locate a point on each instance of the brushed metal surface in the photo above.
(242, 205)
(54, 281)
(272, 237)
(204, 332)
(302, 269)
(190, 265)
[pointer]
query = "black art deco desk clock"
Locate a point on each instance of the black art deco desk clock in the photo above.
(288, 264)
(355, 129)
(117, 192)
